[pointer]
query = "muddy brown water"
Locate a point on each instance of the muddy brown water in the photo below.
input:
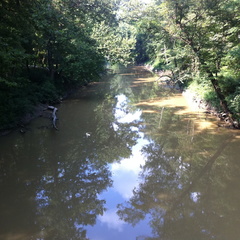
(131, 160)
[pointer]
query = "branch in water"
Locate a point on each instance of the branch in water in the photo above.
(54, 116)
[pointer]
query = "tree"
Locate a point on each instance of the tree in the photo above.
(48, 47)
(121, 49)
(205, 28)
(192, 39)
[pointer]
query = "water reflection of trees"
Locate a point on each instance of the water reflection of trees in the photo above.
(115, 139)
(48, 196)
(68, 191)
(187, 200)
(59, 177)
(50, 183)
(67, 195)
(189, 182)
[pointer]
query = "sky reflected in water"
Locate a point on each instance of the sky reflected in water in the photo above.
(125, 176)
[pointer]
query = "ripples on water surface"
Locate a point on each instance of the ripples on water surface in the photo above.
(131, 161)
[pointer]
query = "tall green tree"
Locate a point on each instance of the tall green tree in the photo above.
(206, 28)
(192, 38)
(48, 47)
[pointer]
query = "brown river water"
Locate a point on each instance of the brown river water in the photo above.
(131, 161)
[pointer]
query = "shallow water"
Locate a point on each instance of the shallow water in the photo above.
(131, 160)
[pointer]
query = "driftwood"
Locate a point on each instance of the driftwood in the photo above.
(54, 116)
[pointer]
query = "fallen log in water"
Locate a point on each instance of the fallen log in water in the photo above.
(54, 116)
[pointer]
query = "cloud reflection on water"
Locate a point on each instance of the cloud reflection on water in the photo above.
(125, 179)
(121, 112)
(112, 220)
(124, 175)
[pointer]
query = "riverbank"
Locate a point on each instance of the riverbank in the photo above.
(195, 102)
(198, 104)
(42, 110)
(39, 110)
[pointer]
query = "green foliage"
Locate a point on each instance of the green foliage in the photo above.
(229, 83)
(211, 97)
(195, 38)
(47, 47)
(232, 59)
(116, 44)
(72, 39)
(13, 104)
(48, 92)
(235, 102)
(141, 49)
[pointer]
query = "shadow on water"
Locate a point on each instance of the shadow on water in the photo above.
(126, 146)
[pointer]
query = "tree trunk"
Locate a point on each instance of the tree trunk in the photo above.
(188, 38)
(217, 89)
(222, 99)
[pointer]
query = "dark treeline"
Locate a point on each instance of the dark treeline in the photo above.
(50, 46)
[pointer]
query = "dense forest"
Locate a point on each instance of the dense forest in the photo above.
(48, 47)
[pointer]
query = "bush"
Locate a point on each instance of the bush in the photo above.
(229, 84)
(204, 90)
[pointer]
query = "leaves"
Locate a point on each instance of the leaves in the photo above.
(53, 38)
(116, 44)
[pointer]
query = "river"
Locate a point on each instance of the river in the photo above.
(131, 160)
